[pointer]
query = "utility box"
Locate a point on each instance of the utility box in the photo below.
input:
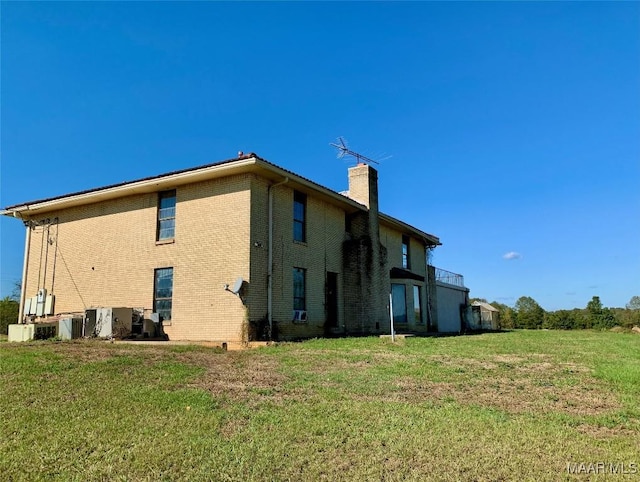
(21, 332)
(70, 328)
(49, 303)
(32, 305)
(149, 328)
(108, 322)
(89, 326)
(41, 299)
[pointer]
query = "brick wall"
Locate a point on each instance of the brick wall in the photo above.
(321, 253)
(105, 254)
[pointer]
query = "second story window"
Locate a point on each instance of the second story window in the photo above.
(406, 262)
(299, 216)
(166, 215)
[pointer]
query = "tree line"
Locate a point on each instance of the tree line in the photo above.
(9, 308)
(527, 313)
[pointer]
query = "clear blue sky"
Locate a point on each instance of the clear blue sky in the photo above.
(513, 127)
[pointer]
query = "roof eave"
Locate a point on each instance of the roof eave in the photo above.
(306, 184)
(171, 180)
(245, 164)
(151, 184)
(429, 239)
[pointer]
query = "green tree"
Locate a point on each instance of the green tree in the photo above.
(506, 317)
(607, 319)
(9, 309)
(594, 307)
(559, 320)
(598, 316)
(626, 317)
(8, 313)
(530, 314)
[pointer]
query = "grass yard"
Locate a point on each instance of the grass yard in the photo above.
(506, 406)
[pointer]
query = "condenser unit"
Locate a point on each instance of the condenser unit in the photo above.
(70, 328)
(108, 322)
(44, 331)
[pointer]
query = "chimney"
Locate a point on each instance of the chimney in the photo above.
(363, 186)
(365, 270)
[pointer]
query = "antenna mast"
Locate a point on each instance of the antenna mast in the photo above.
(343, 150)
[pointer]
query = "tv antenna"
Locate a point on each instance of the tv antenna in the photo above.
(343, 150)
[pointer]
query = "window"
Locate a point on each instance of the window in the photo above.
(299, 289)
(163, 293)
(417, 304)
(405, 252)
(166, 215)
(347, 223)
(299, 216)
(399, 298)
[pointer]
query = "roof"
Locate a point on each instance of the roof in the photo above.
(485, 306)
(241, 164)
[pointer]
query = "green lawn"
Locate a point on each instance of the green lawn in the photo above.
(505, 406)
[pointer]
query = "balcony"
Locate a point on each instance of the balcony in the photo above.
(450, 278)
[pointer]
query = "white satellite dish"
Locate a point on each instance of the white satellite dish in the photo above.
(237, 286)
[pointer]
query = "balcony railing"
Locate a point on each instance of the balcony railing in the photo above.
(448, 277)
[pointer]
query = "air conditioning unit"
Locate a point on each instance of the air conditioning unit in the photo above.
(44, 331)
(299, 315)
(108, 322)
(70, 328)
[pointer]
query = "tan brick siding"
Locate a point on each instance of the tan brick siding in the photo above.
(107, 253)
(321, 253)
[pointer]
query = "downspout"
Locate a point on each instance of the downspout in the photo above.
(270, 258)
(23, 287)
(429, 315)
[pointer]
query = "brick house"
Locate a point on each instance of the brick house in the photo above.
(236, 250)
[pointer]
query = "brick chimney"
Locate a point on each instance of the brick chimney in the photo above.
(363, 185)
(364, 258)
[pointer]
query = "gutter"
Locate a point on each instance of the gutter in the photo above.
(270, 257)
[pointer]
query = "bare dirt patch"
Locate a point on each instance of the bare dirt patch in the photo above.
(600, 432)
(93, 350)
(237, 376)
(511, 395)
(515, 384)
